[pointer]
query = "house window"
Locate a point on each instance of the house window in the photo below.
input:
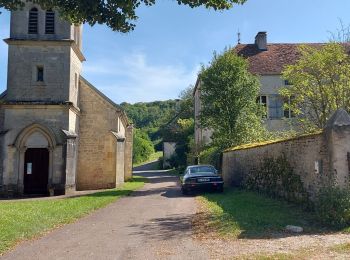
(275, 106)
(287, 82)
(40, 74)
(288, 112)
(33, 21)
(50, 22)
(262, 100)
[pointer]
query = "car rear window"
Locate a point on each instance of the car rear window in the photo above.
(202, 169)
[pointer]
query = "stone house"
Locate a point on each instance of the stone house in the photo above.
(58, 133)
(267, 62)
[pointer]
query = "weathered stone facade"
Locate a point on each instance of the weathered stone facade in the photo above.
(319, 159)
(49, 110)
(103, 153)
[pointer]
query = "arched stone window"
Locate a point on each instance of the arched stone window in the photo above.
(33, 21)
(50, 22)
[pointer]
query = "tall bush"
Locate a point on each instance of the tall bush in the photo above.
(142, 147)
(332, 206)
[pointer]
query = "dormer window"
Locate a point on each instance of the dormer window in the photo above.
(33, 21)
(50, 22)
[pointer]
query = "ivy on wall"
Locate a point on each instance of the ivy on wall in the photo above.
(276, 178)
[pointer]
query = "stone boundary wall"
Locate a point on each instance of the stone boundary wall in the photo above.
(319, 159)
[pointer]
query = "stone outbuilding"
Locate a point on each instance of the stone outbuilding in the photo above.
(58, 133)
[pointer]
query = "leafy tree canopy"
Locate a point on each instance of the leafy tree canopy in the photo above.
(150, 114)
(228, 96)
(320, 84)
(118, 15)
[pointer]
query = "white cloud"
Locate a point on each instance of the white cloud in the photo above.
(133, 79)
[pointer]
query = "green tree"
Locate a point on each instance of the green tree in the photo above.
(320, 84)
(118, 15)
(228, 96)
(187, 102)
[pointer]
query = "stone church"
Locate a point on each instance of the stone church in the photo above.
(58, 133)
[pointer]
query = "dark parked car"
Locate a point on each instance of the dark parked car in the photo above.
(201, 177)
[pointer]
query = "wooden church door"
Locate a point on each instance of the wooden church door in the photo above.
(36, 171)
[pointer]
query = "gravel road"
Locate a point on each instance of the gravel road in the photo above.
(152, 223)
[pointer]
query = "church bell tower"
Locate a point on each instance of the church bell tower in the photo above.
(45, 57)
(39, 111)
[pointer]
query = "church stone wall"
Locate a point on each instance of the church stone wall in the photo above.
(2, 117)
(19, 25)
(128, 152)
(22, 70)
(75, 71)
(100, 160)
(18, 118)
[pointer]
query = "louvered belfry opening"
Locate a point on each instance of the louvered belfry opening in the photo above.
(50, 22)
(33, 21)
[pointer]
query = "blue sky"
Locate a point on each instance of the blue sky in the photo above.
(163, 55)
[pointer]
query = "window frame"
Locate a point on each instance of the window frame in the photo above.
(259, 101)
(288, 110)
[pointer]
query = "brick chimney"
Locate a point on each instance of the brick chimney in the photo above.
(261, 41)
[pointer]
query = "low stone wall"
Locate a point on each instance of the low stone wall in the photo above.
(319, 159)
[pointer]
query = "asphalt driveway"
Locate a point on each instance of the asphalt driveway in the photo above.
(153, 223)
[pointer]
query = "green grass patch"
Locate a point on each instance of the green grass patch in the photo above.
(22, 220)
(242, 214)
(153, 157)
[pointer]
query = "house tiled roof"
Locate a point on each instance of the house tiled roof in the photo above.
(270, 61)
(273, 60)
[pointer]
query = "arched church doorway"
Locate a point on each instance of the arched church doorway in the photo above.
(36, 171)
(35, 146)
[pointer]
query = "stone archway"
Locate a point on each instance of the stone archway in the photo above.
(35, 145)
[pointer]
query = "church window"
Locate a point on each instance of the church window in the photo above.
(40, 74)
(50, 22)
(33, 21)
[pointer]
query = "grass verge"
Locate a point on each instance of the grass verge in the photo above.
(23, 220)
(342, 248)
(243, 214)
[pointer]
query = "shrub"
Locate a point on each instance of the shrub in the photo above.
(211, 155)
(142, 147)
(332, 206)
(276, 178)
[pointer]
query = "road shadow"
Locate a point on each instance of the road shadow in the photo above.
(170, 227)
(155, 165)
(172, 190)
